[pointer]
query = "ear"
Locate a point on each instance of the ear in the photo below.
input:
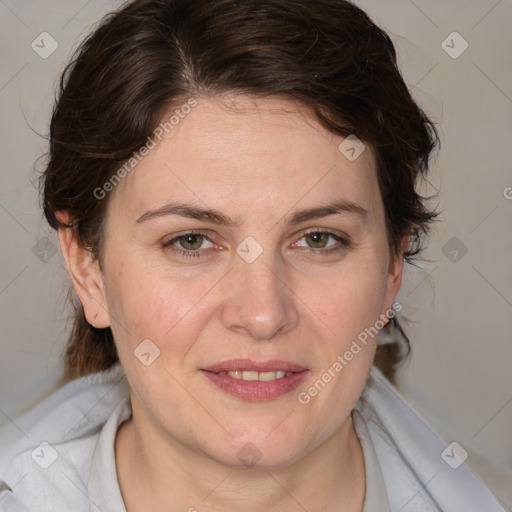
(395, 271)
(85, 274)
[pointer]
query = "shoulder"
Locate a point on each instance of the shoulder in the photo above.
(47, 452)
(420, 469)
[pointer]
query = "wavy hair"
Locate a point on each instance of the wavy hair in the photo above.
(151, 55)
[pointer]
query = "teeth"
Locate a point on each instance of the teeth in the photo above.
(249, 375)
(262, 376)
(270, 375)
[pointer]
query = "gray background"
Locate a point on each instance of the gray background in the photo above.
(459, 303)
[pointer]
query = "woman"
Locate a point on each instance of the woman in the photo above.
(233, 184)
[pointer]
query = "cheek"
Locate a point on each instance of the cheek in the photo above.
(349, 301)
(151, 301)
(147, 301)
(349, 304)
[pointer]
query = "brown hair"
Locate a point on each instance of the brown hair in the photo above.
(152, 55)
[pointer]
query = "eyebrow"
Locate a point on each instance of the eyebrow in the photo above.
(215, 217)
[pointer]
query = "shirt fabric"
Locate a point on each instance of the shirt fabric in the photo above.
(59, 456)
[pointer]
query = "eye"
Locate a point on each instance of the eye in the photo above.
(318, 242)
(190, 242)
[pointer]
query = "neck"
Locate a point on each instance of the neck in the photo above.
(156, 471)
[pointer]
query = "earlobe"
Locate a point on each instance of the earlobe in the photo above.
(85, 274)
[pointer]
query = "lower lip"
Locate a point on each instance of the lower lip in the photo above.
(256, 389)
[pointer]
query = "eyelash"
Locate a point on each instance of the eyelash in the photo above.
(344, 244)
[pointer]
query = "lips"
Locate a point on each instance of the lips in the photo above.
(256, 380)
(254, 366)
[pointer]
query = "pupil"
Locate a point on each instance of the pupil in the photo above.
(189, 239)
(317, 237)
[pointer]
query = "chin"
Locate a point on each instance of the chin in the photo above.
(259, 453)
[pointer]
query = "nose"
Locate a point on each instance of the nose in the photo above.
(260, 303)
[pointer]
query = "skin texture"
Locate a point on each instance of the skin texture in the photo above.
(257, 161)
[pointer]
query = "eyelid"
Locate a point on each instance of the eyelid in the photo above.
(329, 231)
(344, 242)
(175, 236)
(191, 232)
(302, 233)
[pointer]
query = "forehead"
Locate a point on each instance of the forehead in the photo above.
(236, 151)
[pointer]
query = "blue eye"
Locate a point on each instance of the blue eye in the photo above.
(192, 241)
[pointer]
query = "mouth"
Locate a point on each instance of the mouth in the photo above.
(256, 380)
(259, 376)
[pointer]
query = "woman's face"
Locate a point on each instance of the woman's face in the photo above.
(262, 287)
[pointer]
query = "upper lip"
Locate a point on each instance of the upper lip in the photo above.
(255, 366)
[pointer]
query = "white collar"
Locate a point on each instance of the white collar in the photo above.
(105, 495)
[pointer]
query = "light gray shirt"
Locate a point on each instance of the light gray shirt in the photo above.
(59, 457)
